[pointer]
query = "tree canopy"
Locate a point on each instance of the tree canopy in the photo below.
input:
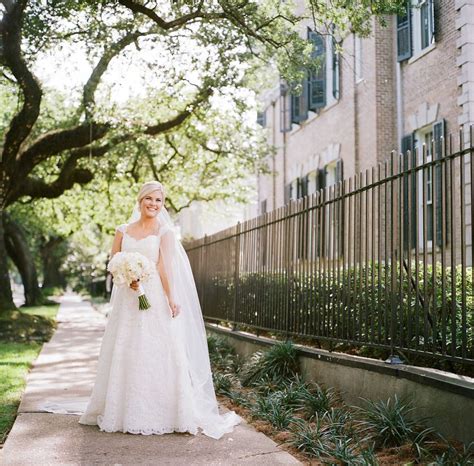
(154, 87)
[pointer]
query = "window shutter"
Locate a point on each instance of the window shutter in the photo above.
(321, 180)
(339, 171)
(262, 118)
(409, 238)
(432, 20)
(317, 78)
(304, 185)
(299, 107)
(404, 34)
(335, 70)
(439, 140)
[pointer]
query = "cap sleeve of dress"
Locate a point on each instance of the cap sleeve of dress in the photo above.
(121, 228)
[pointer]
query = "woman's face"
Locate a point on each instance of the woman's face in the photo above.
(151, 204)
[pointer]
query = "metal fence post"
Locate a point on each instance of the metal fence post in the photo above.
(236, 275)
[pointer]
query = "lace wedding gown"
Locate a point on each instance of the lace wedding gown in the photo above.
(143, 383)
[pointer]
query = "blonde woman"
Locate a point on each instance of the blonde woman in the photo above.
(153, 374)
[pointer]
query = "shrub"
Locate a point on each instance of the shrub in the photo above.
(317, 401)
(390, 423)
(277, 364)
(222, 383)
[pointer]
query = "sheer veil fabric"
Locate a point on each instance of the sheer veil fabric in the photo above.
(184, 292)
(205, 409)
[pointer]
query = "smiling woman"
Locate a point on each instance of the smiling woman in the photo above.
(154, 374)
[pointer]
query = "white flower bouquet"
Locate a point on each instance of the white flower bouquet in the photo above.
(127, 267)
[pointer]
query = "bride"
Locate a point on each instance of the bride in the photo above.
(153, 374)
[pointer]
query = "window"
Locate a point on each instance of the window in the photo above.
(423, 186)
(415, 28)
(263, 206)
(321, 85)
(423, 144)
(317, 78)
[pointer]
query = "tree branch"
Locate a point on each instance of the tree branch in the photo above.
(181, 117)
(92, 83)
(58, 141)
(37, 188)
(22, 123)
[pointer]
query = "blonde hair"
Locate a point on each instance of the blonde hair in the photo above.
(148, 188)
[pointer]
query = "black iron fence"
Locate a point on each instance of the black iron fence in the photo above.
(382, 259)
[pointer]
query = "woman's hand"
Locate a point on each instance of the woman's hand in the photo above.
(134, 285)
(175, 308)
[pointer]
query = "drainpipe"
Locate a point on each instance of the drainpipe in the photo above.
(273, 155)
(400, 122)
(356, 110)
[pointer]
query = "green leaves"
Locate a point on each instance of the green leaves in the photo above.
(278, 363)
(391, 423)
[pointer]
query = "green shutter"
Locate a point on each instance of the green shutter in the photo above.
(317, 77)
(339, 171)
(261, 118)
(439, 140)
(409, 183)
(321, 179)
(335, 70)
(404, 34)
(432, 20)
(299, 106)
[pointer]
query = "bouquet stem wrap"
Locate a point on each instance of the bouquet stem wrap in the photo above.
(143, 303)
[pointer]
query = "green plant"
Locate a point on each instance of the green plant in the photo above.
(307, 437)
(338, 420)
(277, 364)
(239, 398)
(317, 401)
(452, 456)
(221, 354)
(391, 423)
(344, 450)
(222, 383)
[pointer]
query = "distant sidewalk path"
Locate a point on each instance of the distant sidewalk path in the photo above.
(65, 370)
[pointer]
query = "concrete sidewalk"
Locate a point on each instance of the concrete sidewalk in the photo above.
(65, 370)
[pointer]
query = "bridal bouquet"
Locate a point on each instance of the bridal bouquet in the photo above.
(129, 266)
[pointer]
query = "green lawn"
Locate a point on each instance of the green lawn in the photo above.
(16, 359)
(49, 310)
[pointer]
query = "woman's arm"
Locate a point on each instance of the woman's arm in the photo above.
(117, 247)
(117, 244)
(165, 269)
(164, 278)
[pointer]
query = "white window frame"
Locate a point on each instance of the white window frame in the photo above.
(421, 137)
(417, 28)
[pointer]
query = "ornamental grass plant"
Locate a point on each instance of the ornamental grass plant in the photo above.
(313, 423)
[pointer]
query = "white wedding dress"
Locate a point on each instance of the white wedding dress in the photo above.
(144, 384)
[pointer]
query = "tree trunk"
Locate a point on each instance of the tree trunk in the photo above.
(52, 256)
(19, 252)
(6, 296)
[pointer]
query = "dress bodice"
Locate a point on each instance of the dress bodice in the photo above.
(149, 246)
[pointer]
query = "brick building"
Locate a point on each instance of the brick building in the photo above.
(411, 81)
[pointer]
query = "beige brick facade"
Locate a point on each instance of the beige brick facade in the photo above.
(382, 99)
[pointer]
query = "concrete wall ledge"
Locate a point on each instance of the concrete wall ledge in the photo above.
(448, 399)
